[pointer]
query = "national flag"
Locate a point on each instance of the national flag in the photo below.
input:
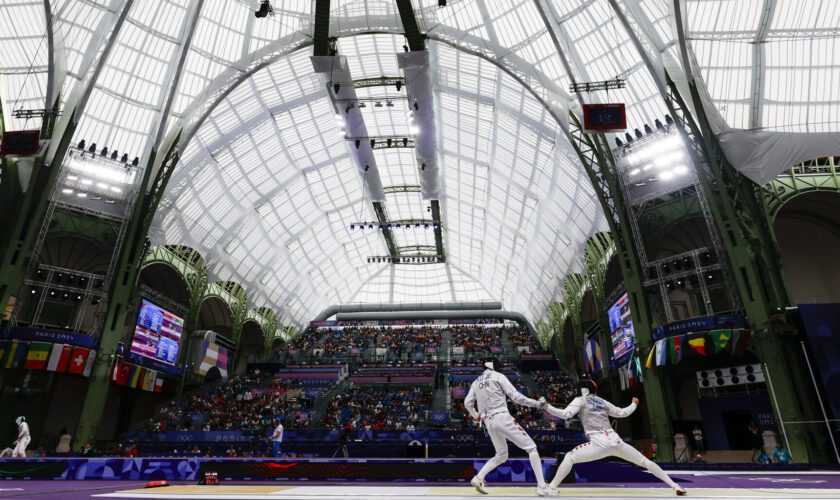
(122, 371)
(16, 354)
(211, 355)
(740, 345)
(222, 361)
(136, 376)
(624, 376)
(59, 357)
(721, 338)
(698, 345)
(661, 352)
(149, 380)
(78, 360)
(4, 346)
(159, 384)
(36, 358)
(89, 363)
(649, 361)
(679, 347)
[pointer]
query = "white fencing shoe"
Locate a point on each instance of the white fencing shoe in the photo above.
(479, 485)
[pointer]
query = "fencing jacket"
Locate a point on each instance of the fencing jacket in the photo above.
(595, 412)
(491, 390)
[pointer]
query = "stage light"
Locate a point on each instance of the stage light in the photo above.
(52, 293)
(92, 148)
(681, 170)
(389, 141)
(639, 134)
(405, 142)
(135, 162)
(628, 137)
(65, 295)
(669, 120)
(390, 227)
(33, 291)
(399, 83)
(389, 104)
(81, 144)
(96, 300)
(658, 124)
(67, 191)
(372, 143)
(370, 226)
(648, 130)
(264, 10)
(336, 87)
(666, 176)
(416, 107)
(618, 142)
(635, 171)
(358, 143)
(441, 3)
(104, 151)
(81, 195)
(378, 104)
(124, 158)
(114, 155)
(352, 227)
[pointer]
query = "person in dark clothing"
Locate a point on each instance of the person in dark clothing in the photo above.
(757, 442)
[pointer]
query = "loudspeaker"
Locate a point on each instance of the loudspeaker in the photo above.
(727, 377)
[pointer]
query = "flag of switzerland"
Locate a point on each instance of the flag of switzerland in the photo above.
(78, 360)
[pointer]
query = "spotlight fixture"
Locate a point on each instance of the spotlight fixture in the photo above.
(669, 120)
(423, 167)
(114, 155)
(639, 134)
(104, 151)
(378, 104)
(628, 137)
(389, 142)
(92, 148)
(658, 124)
(399, 83)
(81, 144)
(648, 130)
(372, 143)
(135, 162)
(265, 10)
(441, 3)
(124, 158)
(389, 104)
(416, 107)
(336, 87)
(405, 142)
(358, 143)
(618, 142)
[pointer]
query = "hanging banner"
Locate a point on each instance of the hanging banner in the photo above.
(699, 324)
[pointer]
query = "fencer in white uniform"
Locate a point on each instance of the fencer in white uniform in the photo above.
(594, 413)
(22, 439)
(490, 391)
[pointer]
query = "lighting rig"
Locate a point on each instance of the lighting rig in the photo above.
(615, 84)
(26, 114)
(384, 142)
(406, 225)
(265, 10)
(407, 259)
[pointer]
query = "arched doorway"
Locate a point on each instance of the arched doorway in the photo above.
(251, 345)
(166, 281)
(215, 314)
(808, 235)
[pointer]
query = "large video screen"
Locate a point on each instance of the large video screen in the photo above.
(157, 334)
(621, 328)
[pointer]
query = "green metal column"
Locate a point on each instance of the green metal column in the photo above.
(121, 291)
(557, 320)
(598, 163)
(239, 312)
(738, 208)
(197, 282)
